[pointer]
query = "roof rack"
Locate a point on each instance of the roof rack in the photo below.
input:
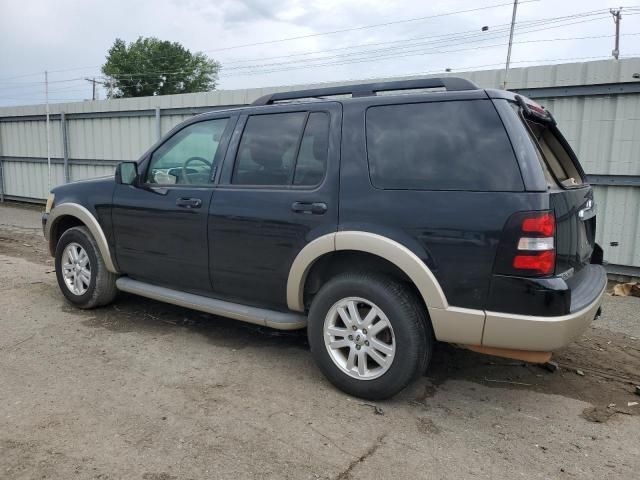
(370, 89)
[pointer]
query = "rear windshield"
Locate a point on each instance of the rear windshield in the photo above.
(453, 145)
(554, 157)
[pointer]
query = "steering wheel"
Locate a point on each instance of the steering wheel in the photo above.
(190, 160)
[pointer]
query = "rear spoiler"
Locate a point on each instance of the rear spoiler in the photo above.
(534, 111)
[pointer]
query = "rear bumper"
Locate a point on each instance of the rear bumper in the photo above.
(540, 333)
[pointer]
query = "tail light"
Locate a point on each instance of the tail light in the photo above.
(527, 245)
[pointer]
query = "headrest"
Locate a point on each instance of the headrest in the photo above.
(266, 154)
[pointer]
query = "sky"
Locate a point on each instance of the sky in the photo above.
(285, 42)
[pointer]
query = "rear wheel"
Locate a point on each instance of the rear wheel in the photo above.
(369, 335)
(82, 275)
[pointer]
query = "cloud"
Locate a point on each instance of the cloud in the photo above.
(68, 34)
(250, 10)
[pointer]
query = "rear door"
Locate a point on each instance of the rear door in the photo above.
(570, 196)
(278, 192)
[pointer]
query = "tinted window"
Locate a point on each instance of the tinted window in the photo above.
(187, 157)
(456, 145)
(268, 149)
(272, 151)
(313, 150)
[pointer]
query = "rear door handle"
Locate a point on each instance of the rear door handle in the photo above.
(189, 202)
(315, 208)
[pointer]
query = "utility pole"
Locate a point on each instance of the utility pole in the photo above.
(46, 96)
(617, 16)
(513, 24)
(94, 82)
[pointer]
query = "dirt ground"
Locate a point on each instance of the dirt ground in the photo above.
(144, 390)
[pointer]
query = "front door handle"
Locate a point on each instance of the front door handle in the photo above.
(315, 208)
(189, 202)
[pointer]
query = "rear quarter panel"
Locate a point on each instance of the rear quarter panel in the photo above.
(456, 233)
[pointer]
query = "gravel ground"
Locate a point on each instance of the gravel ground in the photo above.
(144, 390)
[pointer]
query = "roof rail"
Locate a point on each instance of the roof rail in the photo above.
(370, 89)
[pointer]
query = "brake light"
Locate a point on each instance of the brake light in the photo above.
(539, 109)
(527, 246)
(544, 224)
(531, 109)
(543, 263)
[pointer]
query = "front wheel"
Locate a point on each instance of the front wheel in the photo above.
(369, 335)
(82, 275)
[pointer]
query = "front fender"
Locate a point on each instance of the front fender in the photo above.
(88, 220)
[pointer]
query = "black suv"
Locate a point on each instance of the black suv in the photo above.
(381, 217)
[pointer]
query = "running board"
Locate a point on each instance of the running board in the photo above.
(258, 316)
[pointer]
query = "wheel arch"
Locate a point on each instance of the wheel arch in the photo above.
(68, 215)
(380, 246)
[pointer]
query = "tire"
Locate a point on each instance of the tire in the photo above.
(101, 287)
(407, 344)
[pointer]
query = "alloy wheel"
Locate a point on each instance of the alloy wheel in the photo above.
(359, 338)
(76, 268)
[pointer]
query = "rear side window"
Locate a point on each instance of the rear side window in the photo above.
(455, 145)
(283, 149)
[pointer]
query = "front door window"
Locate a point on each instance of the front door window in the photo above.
(188, 157)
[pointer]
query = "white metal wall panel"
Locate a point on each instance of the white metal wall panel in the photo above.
(602, 71)
(83, 172)
(29, 139)
(29, 179)
(604, 131)
(618, 229)
(167, 122)
(122, 138)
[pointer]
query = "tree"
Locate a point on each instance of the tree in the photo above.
(150, 66)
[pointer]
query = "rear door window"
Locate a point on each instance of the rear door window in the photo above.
(312, 158)
(453, 145)
(283, 149)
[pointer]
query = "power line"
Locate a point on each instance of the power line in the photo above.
(474, 37)
(378, 57)
(373, 59)
(474, 68)
(469, 38)
(526, 24)
(463, 40)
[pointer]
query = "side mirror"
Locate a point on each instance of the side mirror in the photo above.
(127, 173)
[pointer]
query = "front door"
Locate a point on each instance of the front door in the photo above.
(278, 192)
(160, 224)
